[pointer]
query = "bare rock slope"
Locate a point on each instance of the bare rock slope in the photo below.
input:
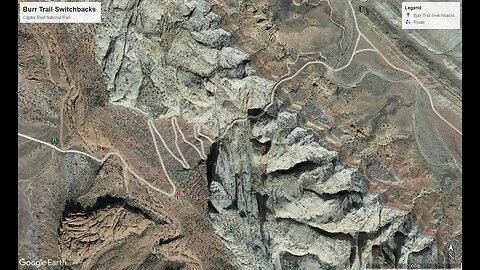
(263, 134)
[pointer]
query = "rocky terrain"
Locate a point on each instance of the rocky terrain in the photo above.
(263, 134)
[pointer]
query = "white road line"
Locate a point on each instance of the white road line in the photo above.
(111, 154)
(198, 134)
(176, 144)
(204, 136)
(153, 130)
(150, 124)
(195, 135)
(272, 97)
(373, 49)
(174, 119)
(402, 70)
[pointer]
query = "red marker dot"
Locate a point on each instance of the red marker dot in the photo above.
(408, 14)
(177, 194)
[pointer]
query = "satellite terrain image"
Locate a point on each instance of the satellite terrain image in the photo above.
(240, 134)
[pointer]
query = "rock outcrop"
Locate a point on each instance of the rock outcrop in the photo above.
(170, 58)
(311, 182)
(298, 206)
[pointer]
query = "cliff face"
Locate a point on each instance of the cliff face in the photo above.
(297, 205)
(235, 135)
(169, 58)
(290, 195)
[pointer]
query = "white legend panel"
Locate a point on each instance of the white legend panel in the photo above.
(430, 15)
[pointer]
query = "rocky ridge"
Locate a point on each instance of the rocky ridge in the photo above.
(307, 210)
(288, 199)
(295, 202)
(169, 58)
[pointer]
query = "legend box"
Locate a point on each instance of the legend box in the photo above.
(430, 15)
